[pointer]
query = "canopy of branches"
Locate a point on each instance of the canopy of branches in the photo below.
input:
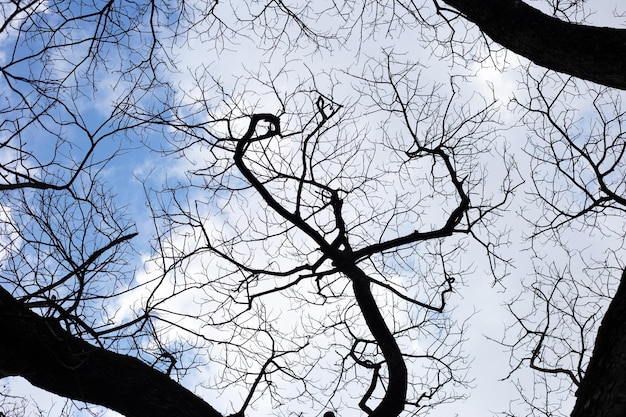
(274, 208)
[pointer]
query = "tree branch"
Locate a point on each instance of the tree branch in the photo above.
(50, 358)
(592, 53)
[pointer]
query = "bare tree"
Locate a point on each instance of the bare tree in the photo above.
(577, 173)
(347, 216)
(323, 236)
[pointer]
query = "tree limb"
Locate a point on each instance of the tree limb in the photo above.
(49, 357)
(592, 53)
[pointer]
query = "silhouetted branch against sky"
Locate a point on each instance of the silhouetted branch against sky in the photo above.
(273, 208)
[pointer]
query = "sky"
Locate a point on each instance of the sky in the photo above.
(480, 300)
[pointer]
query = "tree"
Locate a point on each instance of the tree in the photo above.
(585, 193)
(351, 215)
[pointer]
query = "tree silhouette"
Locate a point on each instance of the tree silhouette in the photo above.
(589, 52)
(308, 254)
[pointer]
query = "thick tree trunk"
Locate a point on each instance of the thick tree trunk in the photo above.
(592, 53)
(394, 401)
(602, 392)
(39, 350)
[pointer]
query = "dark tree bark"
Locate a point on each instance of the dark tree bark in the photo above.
(592, 53)
(602, 392)
(394, 400)
(39, 350)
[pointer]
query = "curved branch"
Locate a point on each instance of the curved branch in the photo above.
(592, 53)
(394, 400)
(240, 150)
(449, 228)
